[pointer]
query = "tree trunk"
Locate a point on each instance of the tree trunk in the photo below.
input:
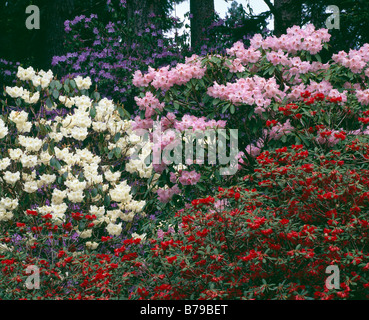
(202, 12)
(287, 14)
(52, 25)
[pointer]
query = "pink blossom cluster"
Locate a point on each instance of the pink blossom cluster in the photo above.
(148, 123)
(249, 91)
(168, 121)
(278, 57)
(163, 138)
(244, 56)
(363, 96)
(295, 40)
(185, 177)
(353, 86)
(355, 60)
(301, 67)
(235, 65)
(171, 129)
(167, 77)
(161, 232)
(164, 195)
(295, 66)
(149, 103)
(144, 124)
(253, 150)
(202, 123)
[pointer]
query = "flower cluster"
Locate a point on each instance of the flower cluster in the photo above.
(355, 60)
(167, 77)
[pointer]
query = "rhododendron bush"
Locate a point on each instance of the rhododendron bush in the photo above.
(305, 212)
(109, 52)
(82, 196)
(275, 92)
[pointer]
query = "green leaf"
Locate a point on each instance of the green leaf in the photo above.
(176, 106)
(97, 95)
(58, 85)
(82, 225)
(56, 94)
(201, 187)
(121, 112)
(55, 163)
(107, 201)
(93, 112)
(49, 103)
(225, 107)
(117, 137)
(271, 69)
(93, 192)
(118, 152)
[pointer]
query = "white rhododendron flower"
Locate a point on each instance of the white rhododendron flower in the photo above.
(11, 177)
(14, 92)
(58, 196)
(30, 186)
(18, 117)
(85, 234)
(138, 236)
(26, 74)
(91, 245)
(4, 163)
(114, 229)
(121, 193)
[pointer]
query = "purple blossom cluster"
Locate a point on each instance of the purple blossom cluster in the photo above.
(110, 53)
(8, 70)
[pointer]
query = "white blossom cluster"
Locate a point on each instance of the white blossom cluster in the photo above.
(138, 163)
(3, 129)
(40, 78)
(7, 205)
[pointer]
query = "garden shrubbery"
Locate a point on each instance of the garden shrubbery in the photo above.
(105, 224)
